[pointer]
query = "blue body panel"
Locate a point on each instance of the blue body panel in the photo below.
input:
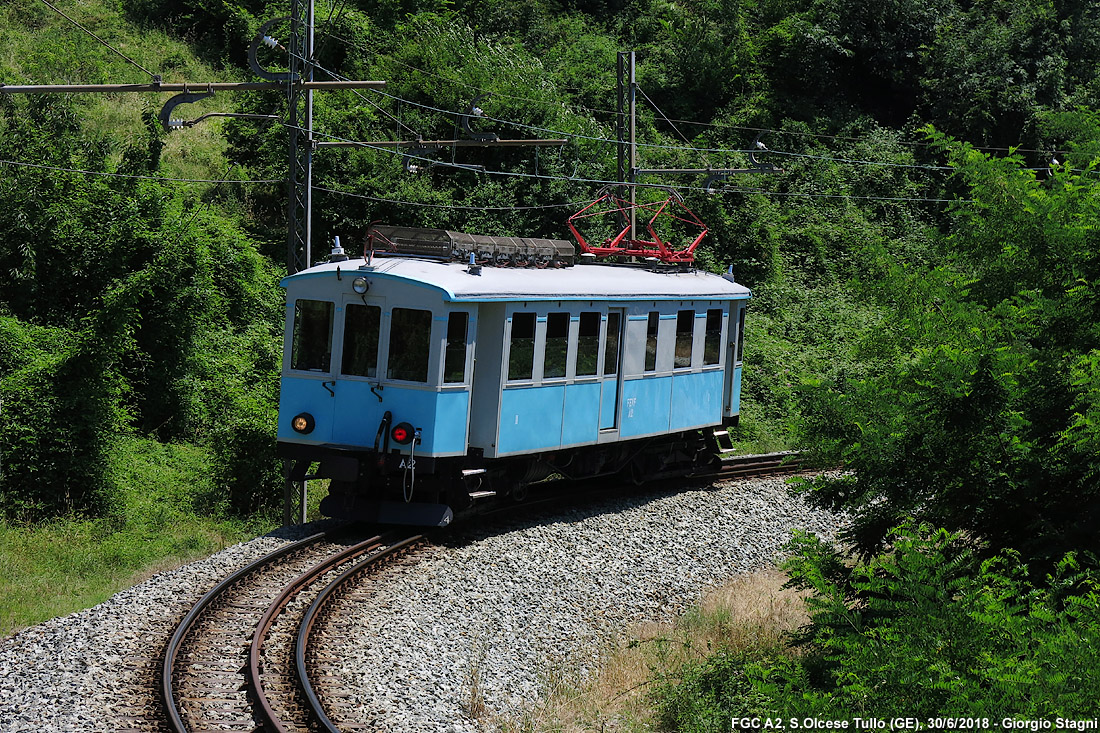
(582, 412)
(530, 419)
(352, 415)
(735, 398)
(646, 404)
(357, 414)
(301, 394)
(696, 399)
(548, 418)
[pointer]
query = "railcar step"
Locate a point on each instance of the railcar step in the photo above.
(724, 441)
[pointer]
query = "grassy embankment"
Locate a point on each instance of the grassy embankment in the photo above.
(165, 514)
(637, 681)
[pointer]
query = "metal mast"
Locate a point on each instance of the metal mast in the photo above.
(627, 129)
(300, 125)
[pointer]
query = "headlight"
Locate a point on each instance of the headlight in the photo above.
(303, 423)
(360, 285)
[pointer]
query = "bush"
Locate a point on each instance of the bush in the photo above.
(710, 694)
(928, 629)
(58, 413)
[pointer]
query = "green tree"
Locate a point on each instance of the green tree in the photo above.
(979, 414)
(927, 629)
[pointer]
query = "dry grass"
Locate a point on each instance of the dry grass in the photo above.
(750, 613)
(474, 703)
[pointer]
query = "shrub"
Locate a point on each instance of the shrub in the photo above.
(926, 628)
(58, 413)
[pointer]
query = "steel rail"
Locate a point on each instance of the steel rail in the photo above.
(760, 465)
(175, 721)
(279, 605)
(311, 615)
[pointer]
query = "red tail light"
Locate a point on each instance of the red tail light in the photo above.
(402, 433)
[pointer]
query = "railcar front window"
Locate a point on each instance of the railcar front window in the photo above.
(312, 346)
(410, 340)
(521, 353)
(454, 361)
(712, 342)
(611, 346)
(361, 340)
(557, 345)
(588, 344)
(651, 341)
(685, 338)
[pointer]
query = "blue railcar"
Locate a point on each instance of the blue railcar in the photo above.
(420, 384)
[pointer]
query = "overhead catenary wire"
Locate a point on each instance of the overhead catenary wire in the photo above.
(679, 148)
(605, 182)
(458, 207)
(163, 179)
(696, 123)
(658, 111)
(93, 35)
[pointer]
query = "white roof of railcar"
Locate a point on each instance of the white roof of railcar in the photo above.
(580, 282)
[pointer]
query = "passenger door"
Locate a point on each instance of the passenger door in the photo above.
(612, 369)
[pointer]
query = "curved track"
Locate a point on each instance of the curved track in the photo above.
(241, 657)
(784, 463)
(230, 664)
(323, 692)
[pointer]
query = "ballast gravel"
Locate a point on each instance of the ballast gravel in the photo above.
(487, 616)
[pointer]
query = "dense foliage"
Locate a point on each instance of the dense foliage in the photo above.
(924, 275)
(127, 307)
(981, 414)
(924, 628)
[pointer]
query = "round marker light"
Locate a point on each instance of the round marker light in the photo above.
(303, 423)
(360, 285)
(402, 433)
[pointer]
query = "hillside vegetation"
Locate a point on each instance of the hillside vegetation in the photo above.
(924, 269)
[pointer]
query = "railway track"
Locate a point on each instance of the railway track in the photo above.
(238, 660)
(244, 657)
(785, 463)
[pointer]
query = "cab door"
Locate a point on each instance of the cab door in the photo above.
(358, 409)
(735, 348)
(308, 386)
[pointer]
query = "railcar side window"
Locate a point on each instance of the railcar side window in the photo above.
(557, 345)
(712, 343)
(651, 341)
(685, 338)
(312, 346)
(454, 361)
(521, 355)
(361, 340)
(740, 333)
(611, 346)
(410, 339)
(588, 344)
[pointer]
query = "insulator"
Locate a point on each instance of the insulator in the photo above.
(173, 124)
(270, 42)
